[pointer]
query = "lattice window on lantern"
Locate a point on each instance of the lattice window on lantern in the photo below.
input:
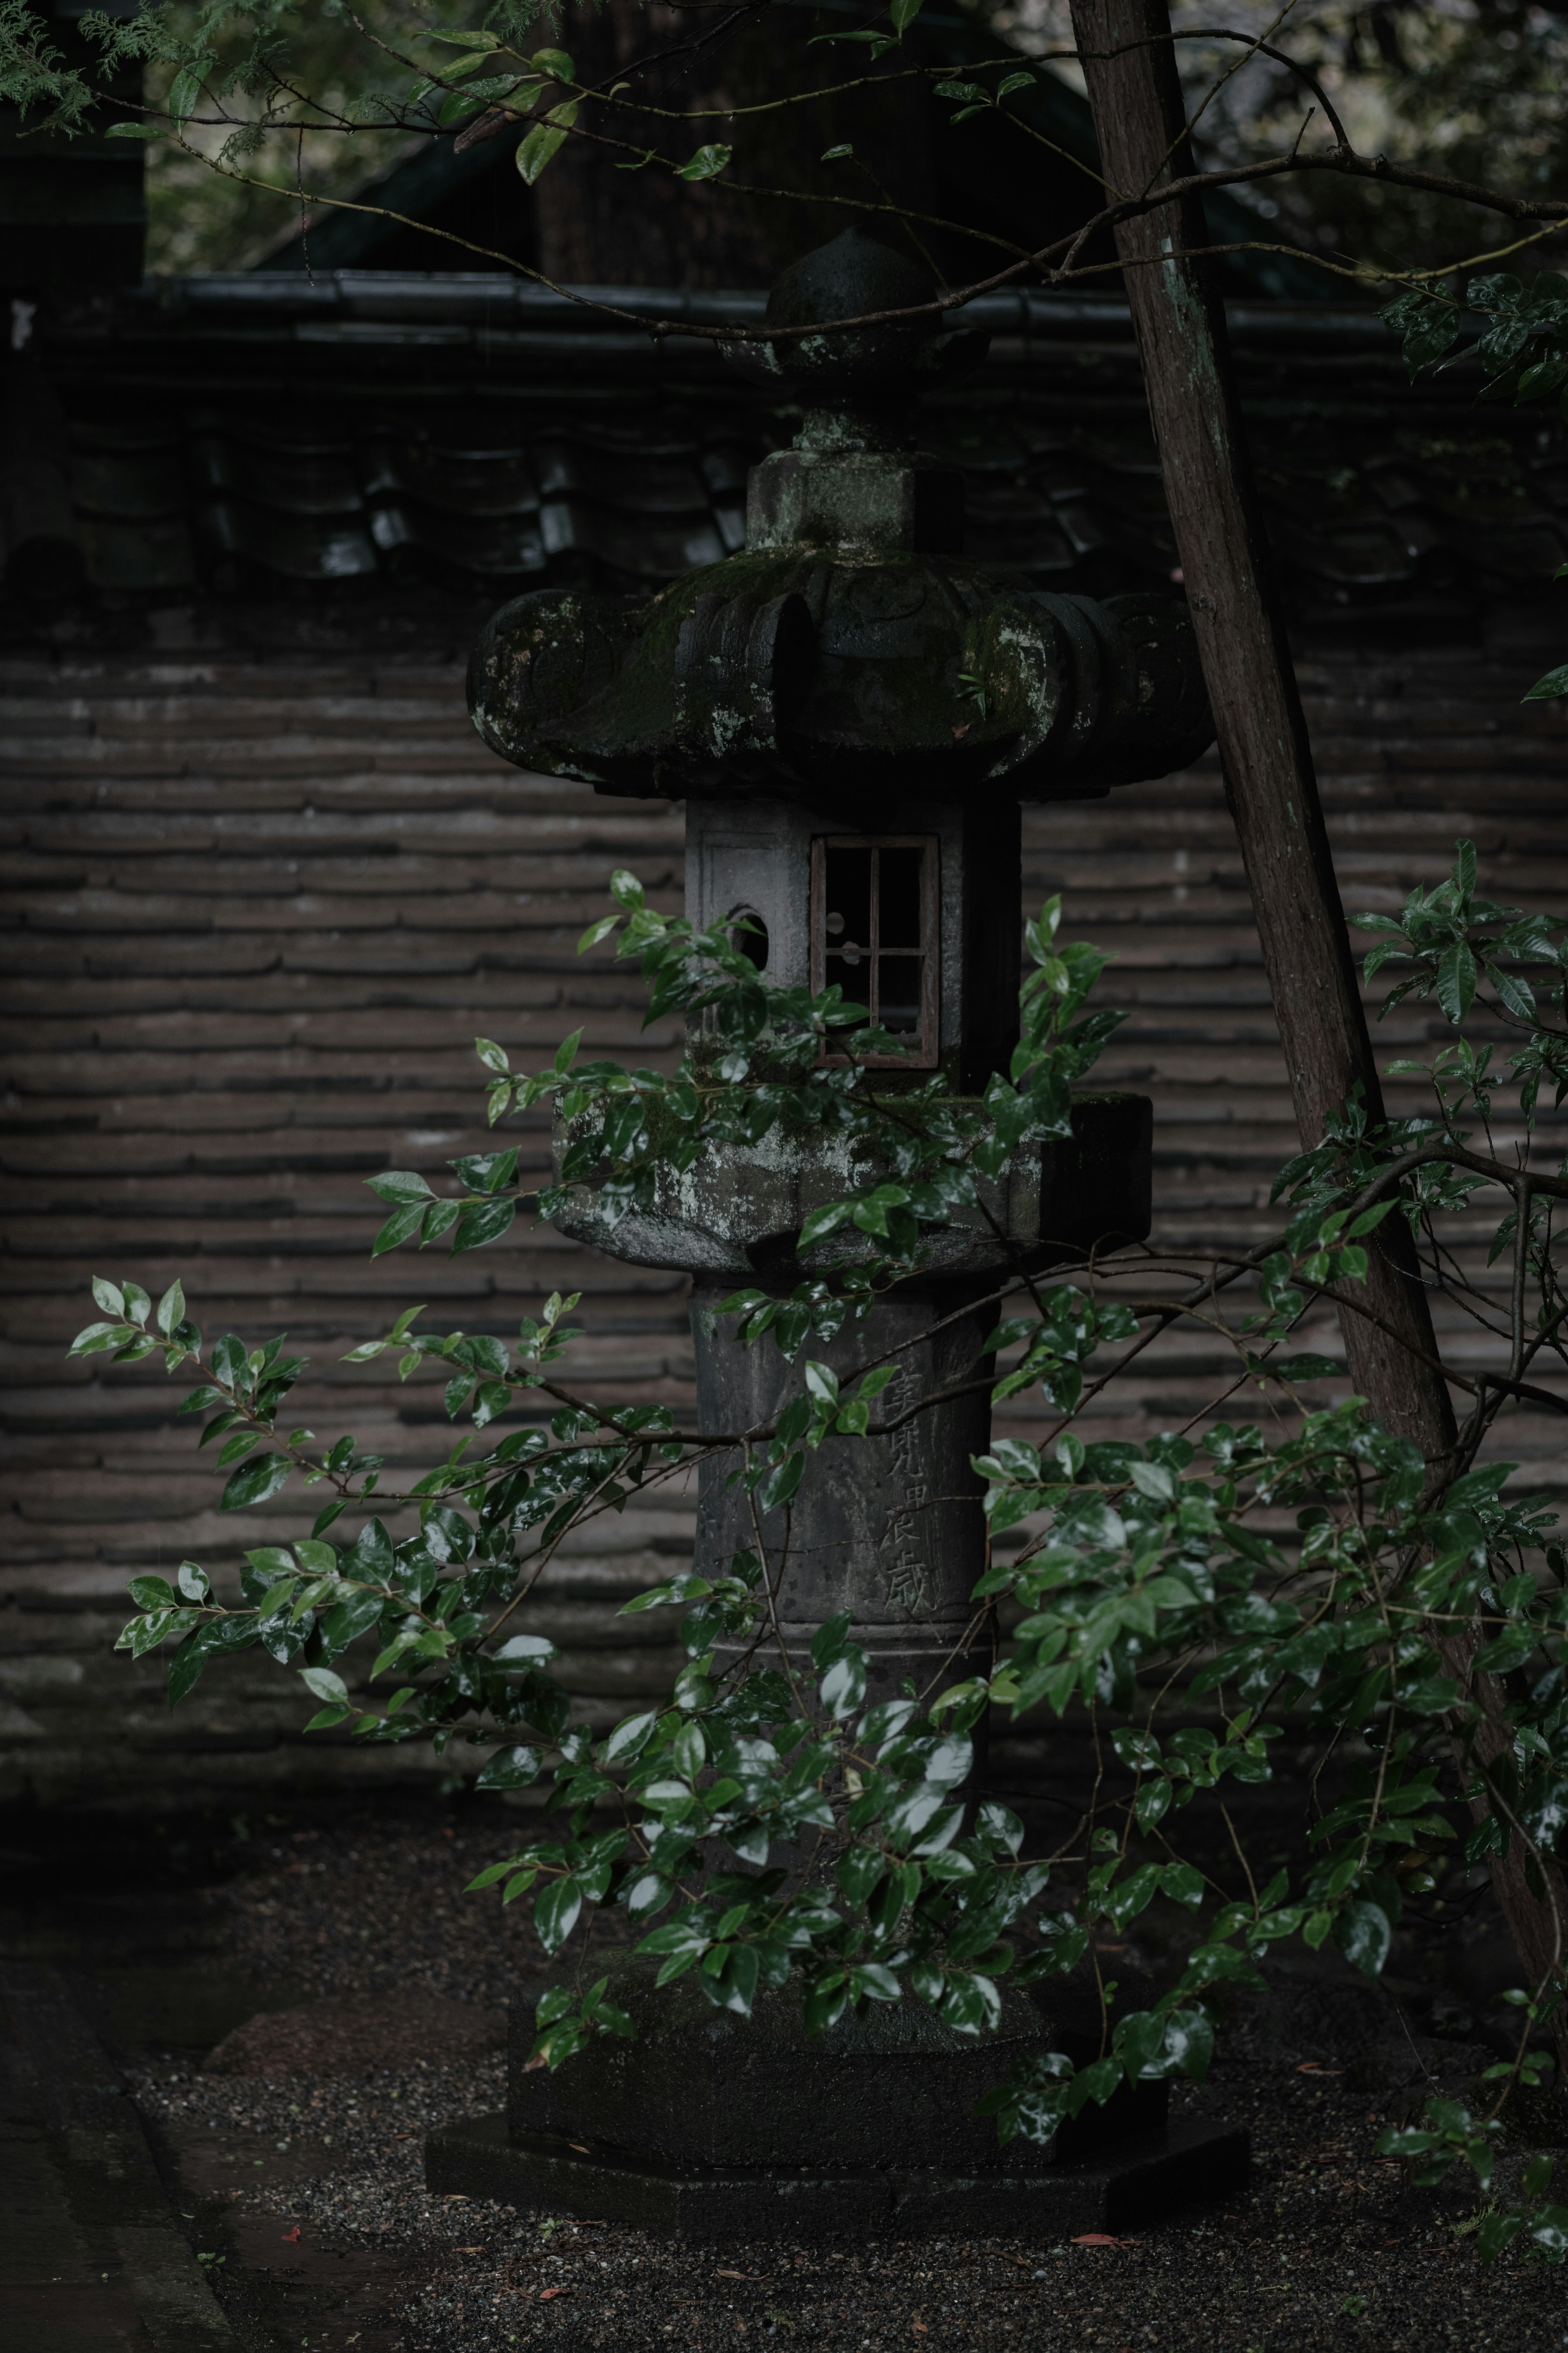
(873, 919)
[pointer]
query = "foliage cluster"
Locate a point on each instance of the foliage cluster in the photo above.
(279, 99)
(1521, 348)
(1190, 1595)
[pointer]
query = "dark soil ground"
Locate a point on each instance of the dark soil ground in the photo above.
(303, 2192)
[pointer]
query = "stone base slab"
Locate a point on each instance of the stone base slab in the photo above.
(1126, 2188)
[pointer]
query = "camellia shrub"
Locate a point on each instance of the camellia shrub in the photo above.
(1189, 1593)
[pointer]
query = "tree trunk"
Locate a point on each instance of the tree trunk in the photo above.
(1129, 63)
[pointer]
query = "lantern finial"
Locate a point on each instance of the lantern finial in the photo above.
(857, 388)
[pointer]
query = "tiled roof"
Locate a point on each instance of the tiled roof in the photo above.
(261, 432)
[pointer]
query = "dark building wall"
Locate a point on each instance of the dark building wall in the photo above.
(266, 886)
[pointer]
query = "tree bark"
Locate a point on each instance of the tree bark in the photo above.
(1129, 63)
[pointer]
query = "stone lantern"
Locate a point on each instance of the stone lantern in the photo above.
(852, 713)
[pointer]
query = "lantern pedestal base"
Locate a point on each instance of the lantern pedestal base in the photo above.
(1137, 2183)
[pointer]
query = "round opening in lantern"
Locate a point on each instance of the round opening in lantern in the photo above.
(749, 933)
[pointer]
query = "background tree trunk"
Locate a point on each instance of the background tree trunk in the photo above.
(1129, 63)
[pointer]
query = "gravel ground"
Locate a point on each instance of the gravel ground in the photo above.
(314, 2188)
(380, 1904)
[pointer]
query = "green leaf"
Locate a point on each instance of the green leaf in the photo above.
(511, 1769)
(95, 1337)
(1555, 682)
(325, 1717)
(827, 1643)
(630, 1738)
(184, 93)
(351, 1617)
(778, 1488)
(1457, 982)
(859, 1872)
(1305, 1367)
(458, 68)
(542, 142)
(404, 1222)
(555, 1912)
(1365, 1936)
(1515, 992)
(903, 13)
(1495, 2231)
(171, 1308)
(399, 1185)
(486, 1172)
(647, 1893)
(138, 130)
(1151, 1479)
(322, 1683)
(151, 1593)
(843, 1687)
(1182, 1881)
(255, 1483)
(187, 1664)
(707, 163)
(972, 2004)
(107, 1295)
(1189, 2043)
(836, 154)
(271, 1561)
(823, 1222)
(483, 1221)
(874, 1979)
(876, 43)
(1427, 326)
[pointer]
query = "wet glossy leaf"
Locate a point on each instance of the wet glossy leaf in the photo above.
(707, 163)
(843, 1687)
(483, 1221)
(516, 1767)
(1365, 1936)
(255, 1483)
(555, 1912)
(544, 140)
(322, 1683)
